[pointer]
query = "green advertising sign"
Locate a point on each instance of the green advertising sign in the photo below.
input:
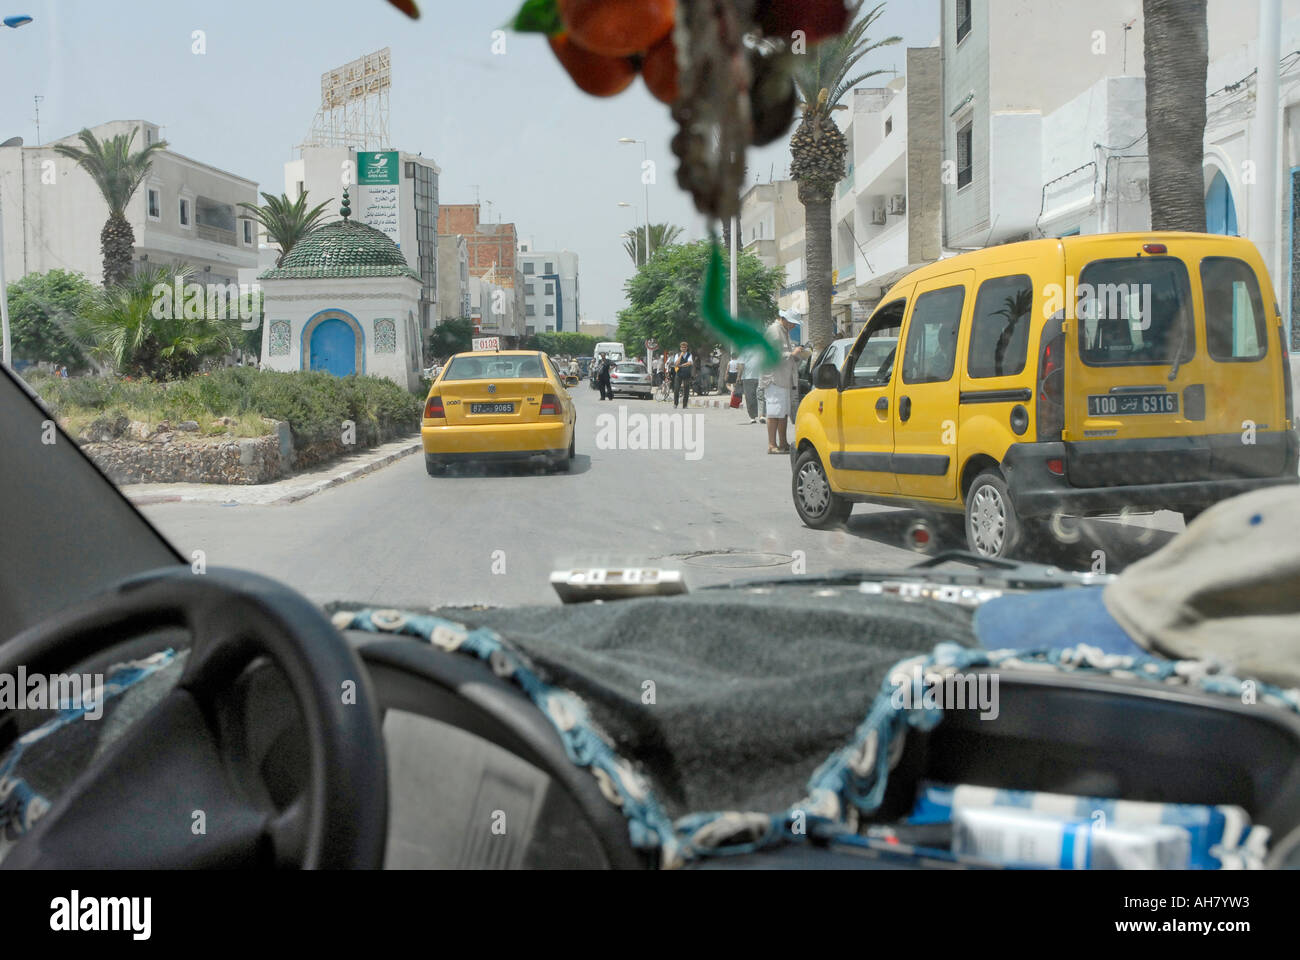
(376, 168)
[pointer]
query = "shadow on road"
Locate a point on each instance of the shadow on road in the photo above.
(464, 471)
(1071, 545)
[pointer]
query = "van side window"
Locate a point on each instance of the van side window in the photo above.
(931, 351)
(1234, 311)
(999, 336)
(871, 362)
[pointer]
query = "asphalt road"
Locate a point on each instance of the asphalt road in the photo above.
(719, 512)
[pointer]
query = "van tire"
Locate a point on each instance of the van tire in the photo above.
(816, 503)
(993, 526)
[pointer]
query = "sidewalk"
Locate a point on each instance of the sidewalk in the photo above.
(289, 490)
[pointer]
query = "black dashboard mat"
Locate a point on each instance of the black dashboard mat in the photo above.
(727, 700)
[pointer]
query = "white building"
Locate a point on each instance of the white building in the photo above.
(343, 301)
(886, 211)
(551, 291)
(771, 228)
(393, 191)
(184, 212)
(453, 277)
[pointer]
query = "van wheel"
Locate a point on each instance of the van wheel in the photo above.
(817, 504)
(993, 528)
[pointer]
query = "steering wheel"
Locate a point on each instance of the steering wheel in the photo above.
(136, 805)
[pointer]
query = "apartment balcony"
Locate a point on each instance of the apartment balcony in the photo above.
(216, 235)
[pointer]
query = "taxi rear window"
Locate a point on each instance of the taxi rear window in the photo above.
(1135, 311)
(1234, 310)
(493, 368)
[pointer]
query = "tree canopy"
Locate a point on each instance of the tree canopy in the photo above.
(664, 297)
(43, 313)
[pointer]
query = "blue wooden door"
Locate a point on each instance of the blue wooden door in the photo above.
(334, 348)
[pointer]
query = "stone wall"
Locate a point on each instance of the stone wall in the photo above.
(176, 459)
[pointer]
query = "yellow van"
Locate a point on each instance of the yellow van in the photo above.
(1056, 378)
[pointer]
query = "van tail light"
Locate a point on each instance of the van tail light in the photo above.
(1049, 391)
(1056, 467)
(1154, 248)
(433, 409)
(550, 405)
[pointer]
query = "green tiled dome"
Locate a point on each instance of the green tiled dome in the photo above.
(343, 248)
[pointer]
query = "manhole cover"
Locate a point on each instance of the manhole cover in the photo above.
(735, 560)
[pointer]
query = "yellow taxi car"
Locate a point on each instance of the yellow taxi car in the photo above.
(493, 406)
(1053, 378)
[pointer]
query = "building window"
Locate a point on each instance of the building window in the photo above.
(889, 125)
(248, 233)
(528, 267)
(550, 289)
(184, 212)
(155, 204)
(963, 19)
(528, 310)
(964, 154)
(550, 267)
(550, 310)
(528, 289)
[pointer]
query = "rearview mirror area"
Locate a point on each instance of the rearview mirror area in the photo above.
(826, 377)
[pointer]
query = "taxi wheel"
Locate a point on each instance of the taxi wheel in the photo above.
(993, 528)
(817, 504)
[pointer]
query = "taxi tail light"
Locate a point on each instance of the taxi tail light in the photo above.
(550, 405)
(433, 409)
(1049, 390)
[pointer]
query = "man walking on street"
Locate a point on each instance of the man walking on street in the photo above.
(750, 370)
(684, 366)
(779, 383)
(602, 378)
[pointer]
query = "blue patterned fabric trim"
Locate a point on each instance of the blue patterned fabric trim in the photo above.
(20, 805)
(847, 786)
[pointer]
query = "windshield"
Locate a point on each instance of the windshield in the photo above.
(366, 339)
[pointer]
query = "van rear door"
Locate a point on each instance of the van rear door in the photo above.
(1136, 370)
(1246, 370)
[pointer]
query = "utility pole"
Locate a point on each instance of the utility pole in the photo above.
(1264, 193)
(38, 98)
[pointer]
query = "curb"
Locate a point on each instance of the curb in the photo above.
(351, 474)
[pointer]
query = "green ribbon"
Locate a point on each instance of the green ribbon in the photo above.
(713, 308)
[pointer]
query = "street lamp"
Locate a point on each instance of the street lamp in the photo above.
(636, 247)
(6, 354)
(644, 157)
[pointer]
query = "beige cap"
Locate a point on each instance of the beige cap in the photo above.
(1227, 589)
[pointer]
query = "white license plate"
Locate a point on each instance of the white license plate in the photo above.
(491, 408)
(1131, 404)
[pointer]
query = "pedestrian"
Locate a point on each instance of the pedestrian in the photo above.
(684, 369)
(602, 378)
(733, 371)
(750, 369)
(779, 382)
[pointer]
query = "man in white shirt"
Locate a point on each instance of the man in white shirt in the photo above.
(779, 382)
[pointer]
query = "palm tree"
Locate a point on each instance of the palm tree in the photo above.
(118, 173)
(661, 234)
(135, 337)
(1013, 308)
(817, 150)
(1175, 47)
(286, 222)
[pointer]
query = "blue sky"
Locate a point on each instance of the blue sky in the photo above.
(542, 153)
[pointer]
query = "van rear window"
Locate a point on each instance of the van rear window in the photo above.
(1234, 310)
(1135, 311)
